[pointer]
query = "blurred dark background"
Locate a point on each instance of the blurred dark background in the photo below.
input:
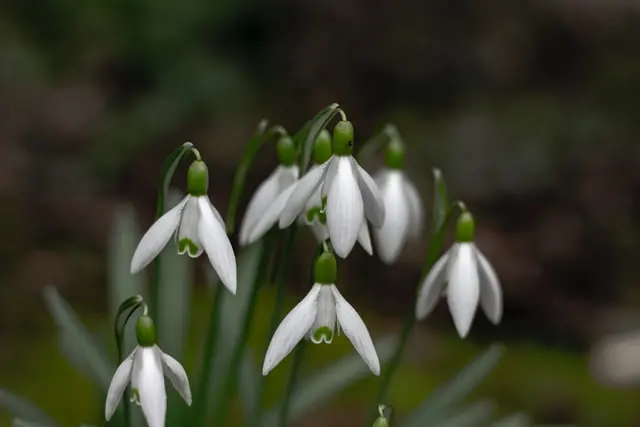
(529, 108)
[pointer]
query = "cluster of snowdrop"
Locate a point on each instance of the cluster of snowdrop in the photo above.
(341, 204)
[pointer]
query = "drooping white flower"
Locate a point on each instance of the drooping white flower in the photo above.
(352, 195)
(317, 317)
(404, 214)
(284, 176)
(197, 226)
(145, 368)
(471, 280)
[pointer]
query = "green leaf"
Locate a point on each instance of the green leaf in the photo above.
(440, 199)
(18, 422)
(477, 415)
(168, 169)
(25, 410)
(514, 420)
(248, 384)
(242, 171)
(174, 296)
(87, 356)
(232, 312)
(314, 391)
(452, 393)
(124, 237)
(309, 132)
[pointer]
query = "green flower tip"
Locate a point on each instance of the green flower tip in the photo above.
(198, 178)
(146, 331)
(394, 156)
(465, 229)
(286, 151)
(343, 139)
(325, 269)
(322, 147)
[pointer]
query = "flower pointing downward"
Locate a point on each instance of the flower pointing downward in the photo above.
(145, 369)
(197, 226)
(318, 316)
(471, 280)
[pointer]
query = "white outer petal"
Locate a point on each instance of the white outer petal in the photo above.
(344, 208)
(431, 287)
(281, 178)
(364, 238)
(463, 293)
(292, 329)
(217, 246)
(490, 289)
(392, 236)
(304, 189)
(329, 176)
(271, 215)
(355, 329)
(373, 203)
(157, 237)
(216, 213)
(148, 379)
(177, 375)
(416, 209)
(119, 382)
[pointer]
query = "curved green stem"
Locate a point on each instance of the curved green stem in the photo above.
(291, 385)
(373, 145)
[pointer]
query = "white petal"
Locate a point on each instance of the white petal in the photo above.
(325, 316)
(373, 203)
(490, 289)
(188, 229)
(330, 175)
(157, 237)
(119, 382)
(416, 209)
(432, 288)
(148, 381)
(292, 329)
(177, 375)
(364, 238)
(304, 189)
(391, 237)
(355, 329)
(463, 292)
(270, 216)
(216, 213)
(316, 198)
(267, 191)
(344, 209)
(217, 246)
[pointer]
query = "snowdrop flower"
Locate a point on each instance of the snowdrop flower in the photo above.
(145, 369)
(352, 195)
(403, 207)
(318, 316)
(471, 280)
(284, 176)
(197, 226)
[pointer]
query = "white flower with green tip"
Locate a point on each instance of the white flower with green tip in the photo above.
(198, 227)
(318, 316)
(469, 277)
(145, 368)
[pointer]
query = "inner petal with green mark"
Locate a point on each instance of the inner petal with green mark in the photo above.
(135, 396)
(326, 319)
(322, 334)
(187, 235)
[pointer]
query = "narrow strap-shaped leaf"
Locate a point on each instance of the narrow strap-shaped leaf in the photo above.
(24, 410)
(314, 391)
(440, 199)
(476, 415)
(79, 340)
(248, 385)
(305, 137)
(452, 393)
(514, 420)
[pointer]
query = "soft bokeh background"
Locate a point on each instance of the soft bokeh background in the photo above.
(528, 107)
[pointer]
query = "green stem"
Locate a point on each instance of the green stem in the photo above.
(200, 405)
(281, 280)
(293, 378)
(229, 388)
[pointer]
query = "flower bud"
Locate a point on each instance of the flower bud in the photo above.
(286, 151)
(381, 422)
(198, 179)
(394, 156)
(343, 139)
(325, 269)
(322, 147)
(146, 331)
(465, 228)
